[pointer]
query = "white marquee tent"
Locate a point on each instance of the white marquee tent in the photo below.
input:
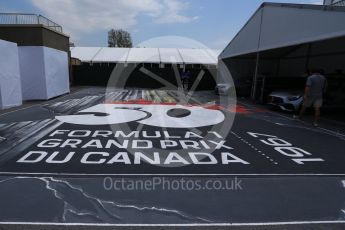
(145, 55)
(276, 25)
(285, 40)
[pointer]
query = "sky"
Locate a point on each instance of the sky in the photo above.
(212, 23)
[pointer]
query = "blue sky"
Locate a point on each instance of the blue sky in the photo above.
(211, 22)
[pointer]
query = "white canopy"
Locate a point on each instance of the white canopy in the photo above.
(269, 28)
(108, 55)
(169, 55)
(145, 55)
(85, 54)
(201, 56)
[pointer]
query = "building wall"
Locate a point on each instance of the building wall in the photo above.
(34, 35)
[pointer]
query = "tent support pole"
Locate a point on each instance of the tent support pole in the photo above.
(308, 57)
(255, 77)
(278, 68)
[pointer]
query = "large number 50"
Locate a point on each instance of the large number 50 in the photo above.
(154, 115)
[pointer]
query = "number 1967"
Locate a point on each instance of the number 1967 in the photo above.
(297, 155)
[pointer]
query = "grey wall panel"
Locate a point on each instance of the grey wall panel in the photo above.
(44, 72)
(56, 72)
(32, 72)
(10, 85)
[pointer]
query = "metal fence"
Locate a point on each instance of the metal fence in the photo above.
(18, 19)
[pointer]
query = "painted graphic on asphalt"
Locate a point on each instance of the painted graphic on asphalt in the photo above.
(145, 137)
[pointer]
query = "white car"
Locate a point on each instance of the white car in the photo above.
(287, 100)
(222, 89)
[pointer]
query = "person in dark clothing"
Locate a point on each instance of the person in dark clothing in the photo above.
(185, 79)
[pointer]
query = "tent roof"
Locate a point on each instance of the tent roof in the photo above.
(85, 53)
(202, 56)
(277, 25)
(145, 55)
(107, 54)
(170, 55)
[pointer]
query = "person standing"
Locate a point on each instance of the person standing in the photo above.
(185, 77)
(313, 94)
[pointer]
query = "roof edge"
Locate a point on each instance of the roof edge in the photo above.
(304, 6)
(251, 17)
(288, 5)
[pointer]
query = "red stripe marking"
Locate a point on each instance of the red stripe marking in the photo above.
(147, 102)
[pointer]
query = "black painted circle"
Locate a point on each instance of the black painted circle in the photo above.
(178, 113)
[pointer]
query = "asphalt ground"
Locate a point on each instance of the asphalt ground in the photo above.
(205, 162)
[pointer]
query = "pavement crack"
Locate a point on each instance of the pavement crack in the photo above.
(68, 207)
(99, 205)
(112, 203)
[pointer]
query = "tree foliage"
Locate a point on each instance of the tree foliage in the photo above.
(119, 38)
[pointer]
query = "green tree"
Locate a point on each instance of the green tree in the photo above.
(119, 38)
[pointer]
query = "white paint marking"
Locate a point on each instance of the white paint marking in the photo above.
(171, 174)
(44, 102)
(253, 147)
(289, 118)
(172, 225)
